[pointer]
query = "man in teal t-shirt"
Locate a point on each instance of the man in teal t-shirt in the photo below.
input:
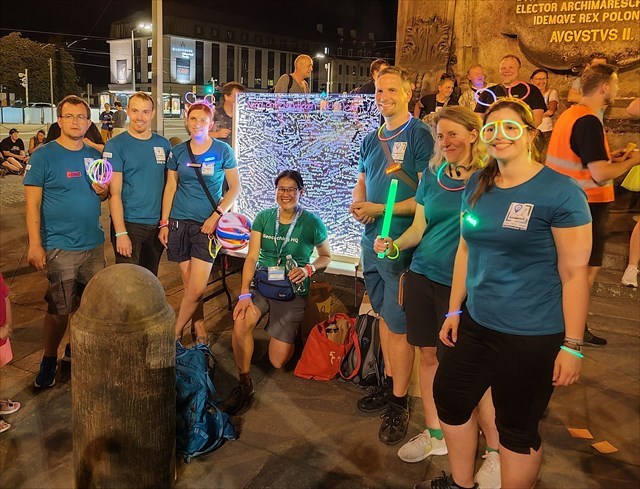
(63, 223)
(139, 159)
(410, 145)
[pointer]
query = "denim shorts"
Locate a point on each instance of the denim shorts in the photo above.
(69, 272)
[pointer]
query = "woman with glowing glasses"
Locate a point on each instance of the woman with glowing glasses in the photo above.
(435, 233)
(188, 215)
(522, 266)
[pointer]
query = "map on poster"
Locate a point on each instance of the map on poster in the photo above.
(318, 136)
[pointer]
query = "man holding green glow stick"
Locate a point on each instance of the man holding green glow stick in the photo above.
(398, 151)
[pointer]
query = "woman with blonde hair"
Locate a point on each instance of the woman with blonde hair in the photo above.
(522, 267)
(435, 233)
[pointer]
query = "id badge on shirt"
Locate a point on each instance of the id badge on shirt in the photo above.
(398, 151)
(208, 170)
(160, 156)
(518, 216)
(275, 273)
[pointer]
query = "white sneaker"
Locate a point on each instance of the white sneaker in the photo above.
(421, 446)
(488, 477)
(630, 277)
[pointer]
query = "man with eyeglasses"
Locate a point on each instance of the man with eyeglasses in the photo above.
(139, 159)
(63, 224)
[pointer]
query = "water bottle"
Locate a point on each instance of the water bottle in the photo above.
(289, 265)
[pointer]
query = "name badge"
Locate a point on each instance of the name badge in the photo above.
(275, 273)
(208, 170)
(87, 163)
(518, 216)
(160, 156)
(106, 155)
(74, 174)
(399, 148)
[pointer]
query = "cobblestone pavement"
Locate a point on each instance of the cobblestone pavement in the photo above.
(11, 191)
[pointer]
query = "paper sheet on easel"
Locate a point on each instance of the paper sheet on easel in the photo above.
(580, 433)
(604, 447)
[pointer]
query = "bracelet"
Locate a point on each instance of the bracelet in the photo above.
(572, 351)
(309, 269)
(453, 313)
(165, 225)
(219, 211)
(121, 234)
(395, 247)
(575, 341)
(245, 296)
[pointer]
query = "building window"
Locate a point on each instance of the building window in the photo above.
(339, 51)
(283, 44)
(270, 68)
(340, 69)
(350, 53)
(230, 63)
(244, 37)
(283, 64)
(258, 39)
(229, 35)
(149, 43)
(257, 82)
(339, 87)
(215, 61)
(244, 66)
(198, 30)
(270, 41)
(360, 52)
(361, 71)
(214, 32)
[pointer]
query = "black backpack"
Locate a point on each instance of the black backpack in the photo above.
(272, 90)
(364, 364)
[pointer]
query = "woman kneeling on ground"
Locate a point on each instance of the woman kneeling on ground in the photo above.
(522, 265)
(276, 234)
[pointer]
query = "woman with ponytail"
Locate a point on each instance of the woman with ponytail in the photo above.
(522, 266)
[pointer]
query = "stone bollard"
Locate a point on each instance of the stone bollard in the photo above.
(123, 382)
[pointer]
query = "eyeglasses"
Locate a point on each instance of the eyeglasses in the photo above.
(511, 130)
(79, 118)
(287, 190)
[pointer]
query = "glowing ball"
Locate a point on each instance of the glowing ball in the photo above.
(233, 231)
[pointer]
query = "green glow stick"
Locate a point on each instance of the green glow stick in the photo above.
(386, 223)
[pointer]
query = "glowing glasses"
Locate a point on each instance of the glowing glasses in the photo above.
(511, 130)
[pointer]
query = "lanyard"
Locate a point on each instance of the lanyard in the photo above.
(289, 232)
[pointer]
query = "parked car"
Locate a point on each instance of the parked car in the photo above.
(40, 105)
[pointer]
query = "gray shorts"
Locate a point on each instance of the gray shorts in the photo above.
(69, 272)
(285, 317)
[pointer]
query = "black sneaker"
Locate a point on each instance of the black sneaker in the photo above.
(592, 340)
(443, 482)
(67, 353)
(378, 400)
(47, 375)
(395, 422)
(240, 397)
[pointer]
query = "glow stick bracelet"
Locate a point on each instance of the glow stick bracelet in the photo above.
(386, 223)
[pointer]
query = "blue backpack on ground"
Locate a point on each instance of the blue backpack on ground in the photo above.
(200, 426)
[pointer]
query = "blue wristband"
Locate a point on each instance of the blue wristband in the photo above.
(454, 313)
(245, 296)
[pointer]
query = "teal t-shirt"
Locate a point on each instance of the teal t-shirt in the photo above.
(70, 212)
(190, 201)
(435, 254)
(143, 167)
(308, 233)
(513, 284)
(413, 148)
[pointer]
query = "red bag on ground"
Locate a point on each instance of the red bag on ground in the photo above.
(321, 357)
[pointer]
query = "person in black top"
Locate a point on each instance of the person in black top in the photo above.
(433, 102)
(509, 82)
(370, 85)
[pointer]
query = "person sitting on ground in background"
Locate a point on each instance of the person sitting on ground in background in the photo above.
(119, 119)
(527, 228)
(7, 406)
(37, 141)
(276, 233)
(223, 117)
(540, 78)
(10, 166)
(433, 102)
(189, 218)
(13, 147)
(370, 85)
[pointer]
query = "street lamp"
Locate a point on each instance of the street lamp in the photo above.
(327, 67)
(141, 27)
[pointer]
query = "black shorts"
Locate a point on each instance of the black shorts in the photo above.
(425, 304)
(599, 216)
(519, 370)
(186, 241)
(285, 317)
(146, 248)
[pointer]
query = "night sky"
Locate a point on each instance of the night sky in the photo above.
(65, 21)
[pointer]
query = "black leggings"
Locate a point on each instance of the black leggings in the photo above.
(519, 370)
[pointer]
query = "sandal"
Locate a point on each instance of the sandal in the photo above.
(4, 426)
(7, 406)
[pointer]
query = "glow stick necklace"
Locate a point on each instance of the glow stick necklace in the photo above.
(439, 178)
(397, 133)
